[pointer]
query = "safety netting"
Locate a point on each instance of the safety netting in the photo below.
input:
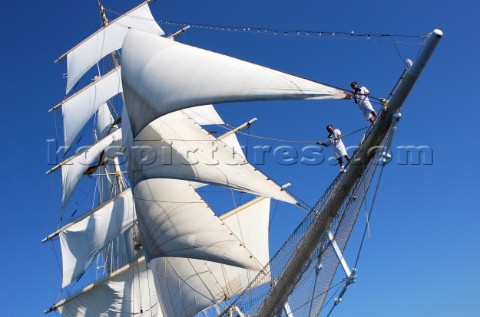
(308, 293)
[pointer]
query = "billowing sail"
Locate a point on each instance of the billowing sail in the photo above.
(174, 146)
(130, 292)
(73, 168)
(174, 221)
(80, 107)
(83, 240)
(160, 76)
(188, 286)
(106, 40)
(250, 223)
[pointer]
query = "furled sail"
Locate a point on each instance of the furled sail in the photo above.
(188, 286)
(160, 76)
(80, 107)
(84, 239)
(174, 146)
(74, 167)
(125, 293)
(106, 40)
(174, 221)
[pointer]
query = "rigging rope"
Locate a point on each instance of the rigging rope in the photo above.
(321, 294)
(260, 137)
(340, 35)
(369, 215)
(300, 141)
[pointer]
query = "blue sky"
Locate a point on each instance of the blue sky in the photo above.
(423, 254)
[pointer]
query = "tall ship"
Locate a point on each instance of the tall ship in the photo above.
(151, 244)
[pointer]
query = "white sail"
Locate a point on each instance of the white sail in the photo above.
(188, 286)
(104, 121)
(122, 250)
(204, 115)
(174, 221)
(160, 76)
(80, 107)
(73, 168)
(83, 240)
(126, 294)
(249, 223)
(174, 146)
(106, 40)
(232, 142)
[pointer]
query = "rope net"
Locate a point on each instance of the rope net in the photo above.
(309, 291)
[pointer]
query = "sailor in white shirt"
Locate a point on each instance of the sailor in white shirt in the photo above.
(360, 96)
(335, 140)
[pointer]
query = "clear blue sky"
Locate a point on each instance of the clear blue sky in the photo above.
(423, 254)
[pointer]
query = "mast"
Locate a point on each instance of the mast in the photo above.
(282, 287)
(116, 163)
(105, 23)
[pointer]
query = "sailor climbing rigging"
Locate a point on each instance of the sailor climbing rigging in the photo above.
(360, 96)
(335, 140)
